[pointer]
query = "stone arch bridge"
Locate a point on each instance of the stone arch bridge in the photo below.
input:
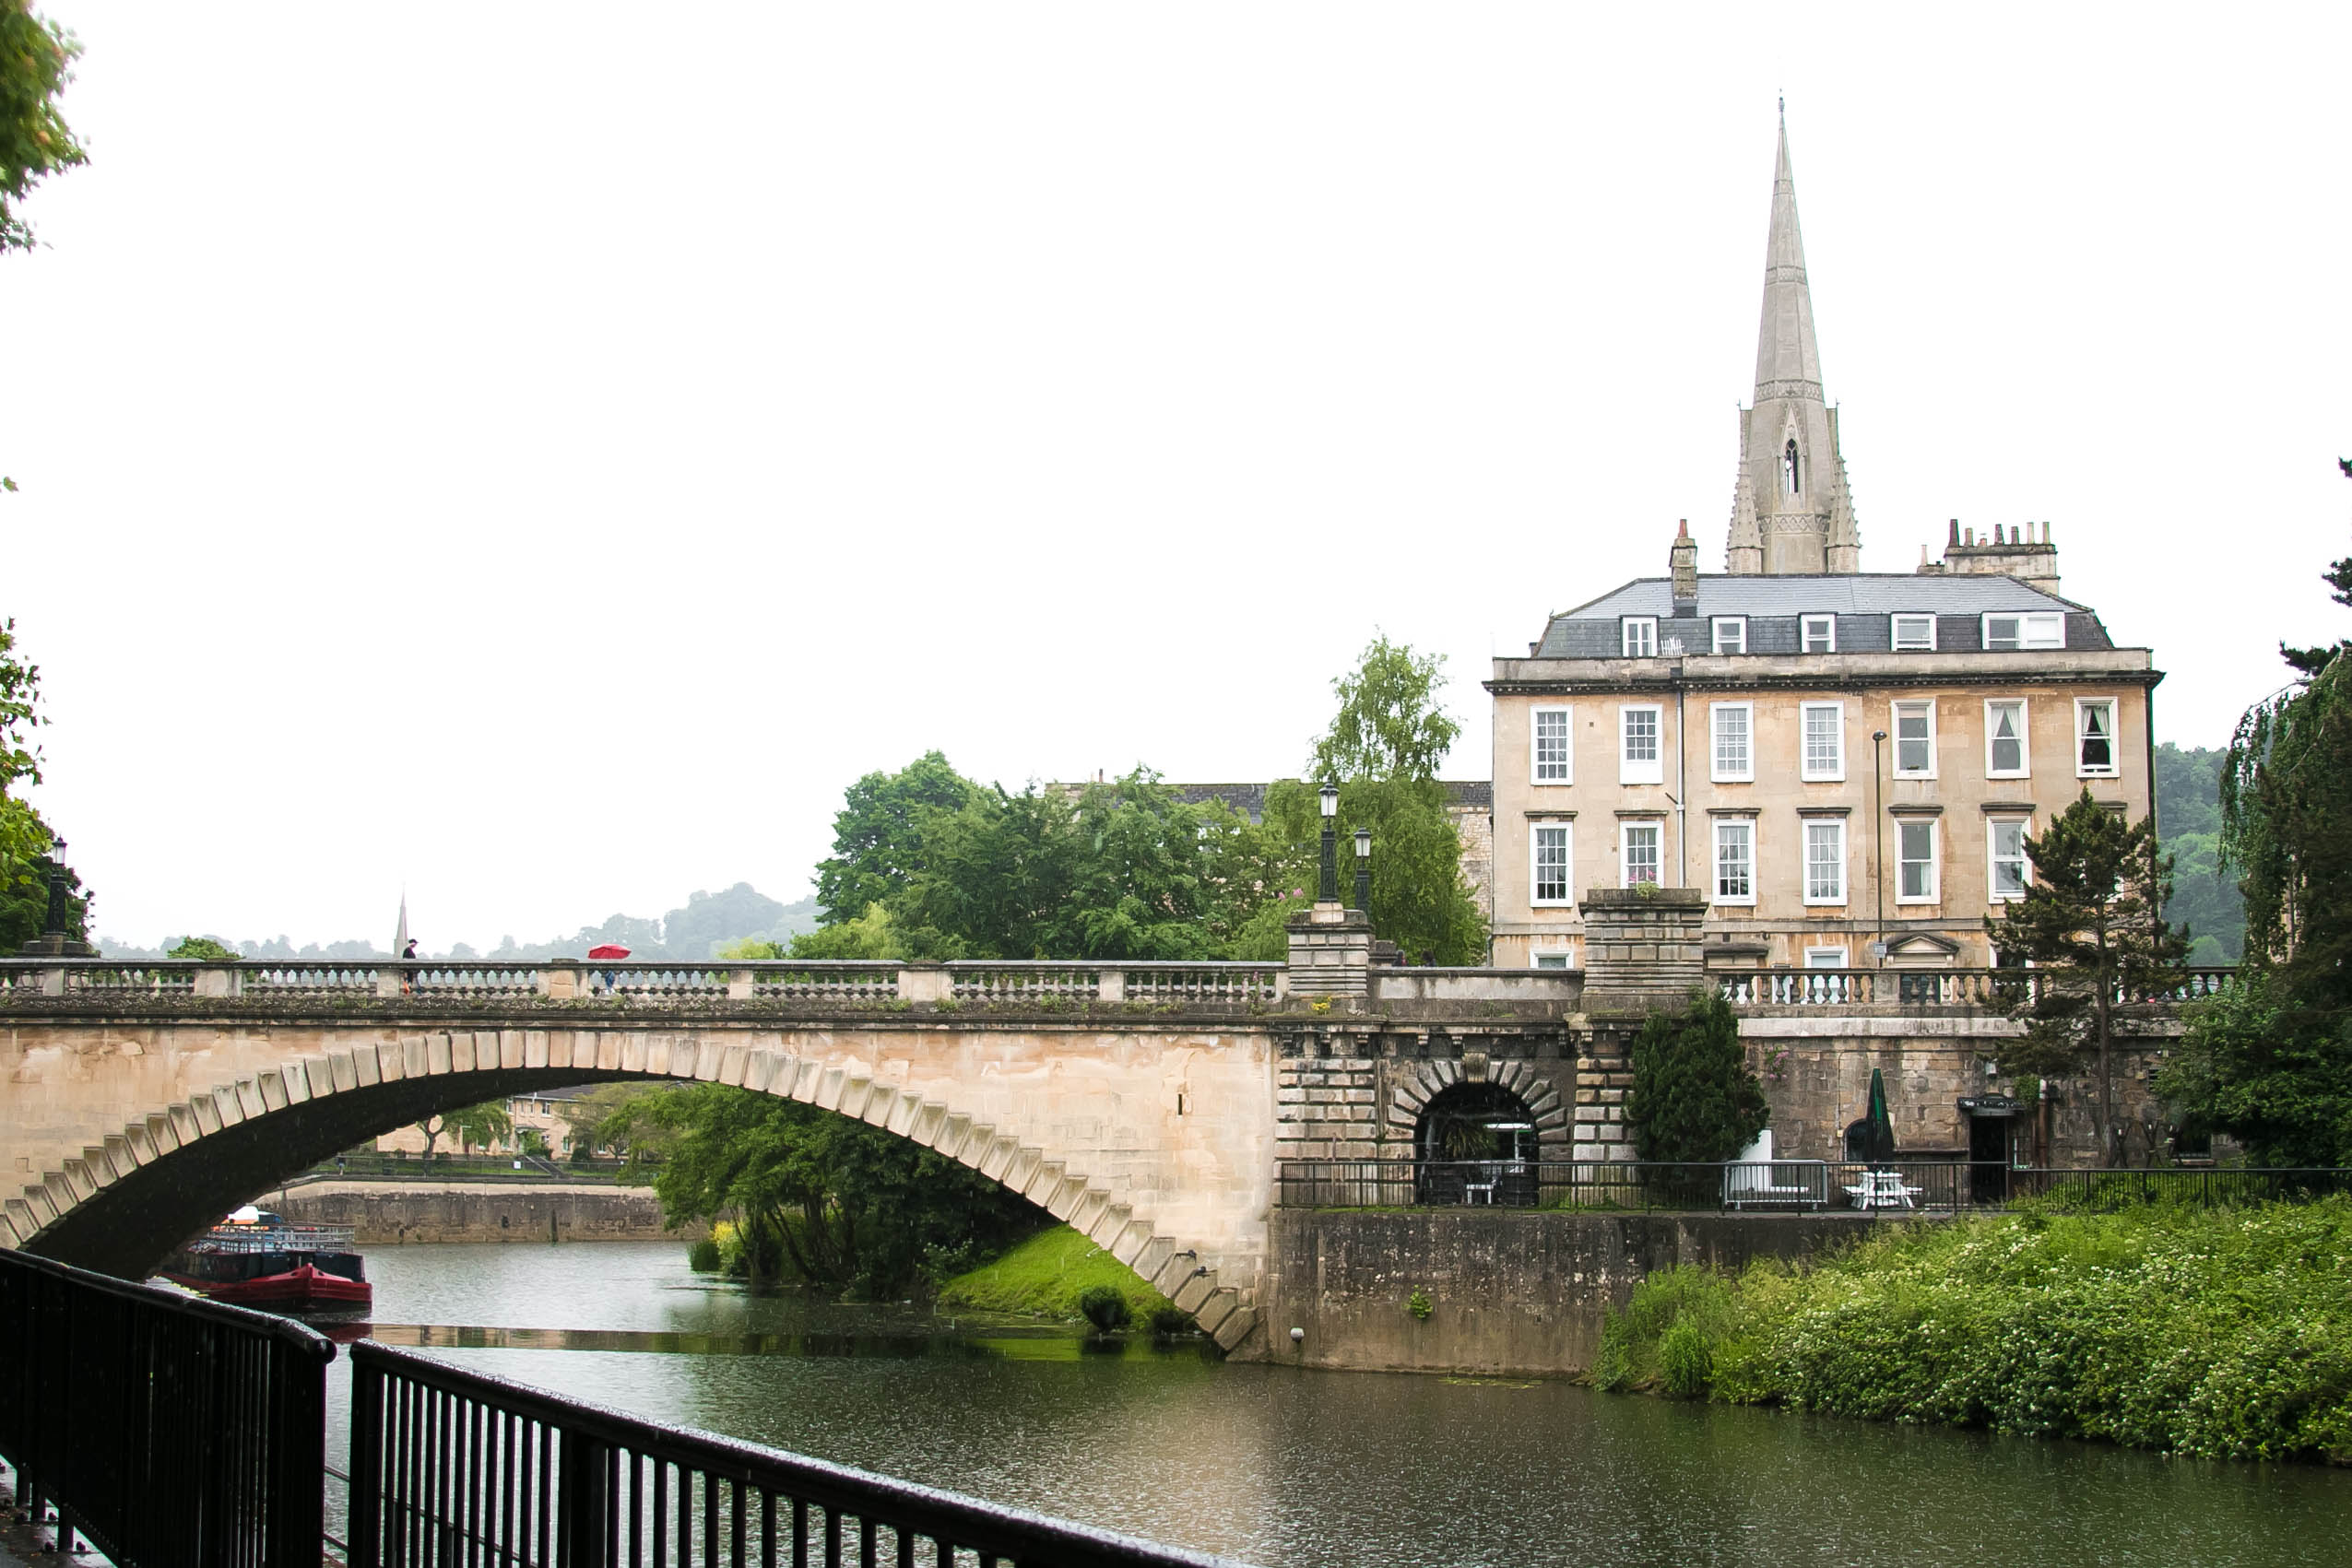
(1150, 1107)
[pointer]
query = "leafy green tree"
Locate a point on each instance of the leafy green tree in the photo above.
(204, 950)
(880, 834)
(1389, 724)
(831, 1201)
(1694, 1096)
(26, 841)
(2091, 925)
(2273, 1075)
(1419, 899)
(467, 1125)
(600, 1118)
(23, 837)
(2270, 1062)
(1383, 748)
(871, 936)
(36, 62)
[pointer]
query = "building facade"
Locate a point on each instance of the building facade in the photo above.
(1847, 763)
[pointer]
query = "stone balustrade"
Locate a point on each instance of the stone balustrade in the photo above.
(30, 984)
(1046, 984)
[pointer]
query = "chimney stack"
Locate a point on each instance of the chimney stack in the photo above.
(1682, 560)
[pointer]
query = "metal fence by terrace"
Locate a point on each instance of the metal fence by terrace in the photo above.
(2200, 1187)
(165, 1428)
(1623, 1184)
(1890, 1188)
(453, 1469)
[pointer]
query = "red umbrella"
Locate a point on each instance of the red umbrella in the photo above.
(608, 950)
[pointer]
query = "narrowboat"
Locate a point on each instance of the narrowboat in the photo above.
(254, 1258)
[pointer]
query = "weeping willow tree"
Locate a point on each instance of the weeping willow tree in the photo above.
(2270, 1062)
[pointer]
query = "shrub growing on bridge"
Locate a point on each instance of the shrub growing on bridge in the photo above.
(1694, 1095)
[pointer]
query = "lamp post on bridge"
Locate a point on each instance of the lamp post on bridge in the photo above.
(55, 939)
(1364, 872)
(1329, 798)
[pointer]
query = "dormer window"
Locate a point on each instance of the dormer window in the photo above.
(1642, 636)
(1788, 470)
(1730, 634)
(2005, 633)
(1820, 634)
(1914, 633)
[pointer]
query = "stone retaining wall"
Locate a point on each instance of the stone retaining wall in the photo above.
(389, 1213)
(1517, 1292)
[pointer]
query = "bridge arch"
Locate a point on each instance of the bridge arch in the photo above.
(124, 1204)
(1422, 1084)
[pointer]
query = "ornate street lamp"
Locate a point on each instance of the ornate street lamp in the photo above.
(1364, 872)
(1329, 797)
(58, 912)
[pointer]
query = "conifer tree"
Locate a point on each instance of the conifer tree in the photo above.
(1694, 1096)
(2091, 925)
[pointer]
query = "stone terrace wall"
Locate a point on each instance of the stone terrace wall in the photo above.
(385, 1214)
(1510, 1291)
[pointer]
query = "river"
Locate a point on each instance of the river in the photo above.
(1290, 1468)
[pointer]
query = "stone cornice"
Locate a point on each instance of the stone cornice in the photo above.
(1860, 684)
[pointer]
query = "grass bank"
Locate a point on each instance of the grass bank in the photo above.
(1044, 1275)
(2216, 1333)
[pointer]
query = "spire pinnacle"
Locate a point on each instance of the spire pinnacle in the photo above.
(1787, 361)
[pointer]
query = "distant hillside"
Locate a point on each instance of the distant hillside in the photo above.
(695, 931)
(2188, 808)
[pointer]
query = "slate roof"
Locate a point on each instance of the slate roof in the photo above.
(1862, 602)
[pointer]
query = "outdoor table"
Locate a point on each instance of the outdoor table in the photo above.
(1883, 1189)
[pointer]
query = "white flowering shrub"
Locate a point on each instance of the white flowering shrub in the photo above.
(2222, 1333)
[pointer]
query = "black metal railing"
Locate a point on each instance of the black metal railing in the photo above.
(165, 1428)
(1797, 1185)
(453, 1469)
(2204, 1187)
(1624, 1185)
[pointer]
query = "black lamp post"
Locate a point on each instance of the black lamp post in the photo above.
(56, 925)
(1878, 849)
(1364, 871)
(1329, 797)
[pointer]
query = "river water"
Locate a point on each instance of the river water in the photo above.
(1292, 1468)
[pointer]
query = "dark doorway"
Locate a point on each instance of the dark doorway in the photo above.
(1988, 1158)
(1475, 1143)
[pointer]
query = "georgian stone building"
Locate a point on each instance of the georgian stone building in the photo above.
(1847, 763)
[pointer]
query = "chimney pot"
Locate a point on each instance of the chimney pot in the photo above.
(1956, 533)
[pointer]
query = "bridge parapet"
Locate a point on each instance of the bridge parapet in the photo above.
(78, 984)
(1048, 983)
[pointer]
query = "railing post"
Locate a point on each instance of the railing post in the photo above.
(586, 1502)
(561, 983)
(219, 980)
(738, 984)
(388, 982)
(363, 1529)
(1110, 985)
(52, 981)
(298, 1490)
(924, 982)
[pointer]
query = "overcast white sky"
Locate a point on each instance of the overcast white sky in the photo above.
(540, 455)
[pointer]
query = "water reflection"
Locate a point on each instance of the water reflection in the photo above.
(1284, 1467)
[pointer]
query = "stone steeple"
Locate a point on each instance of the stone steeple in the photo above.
(1790, 510)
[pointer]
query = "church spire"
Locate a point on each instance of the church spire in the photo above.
(1790, 510)
(1787, 361)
